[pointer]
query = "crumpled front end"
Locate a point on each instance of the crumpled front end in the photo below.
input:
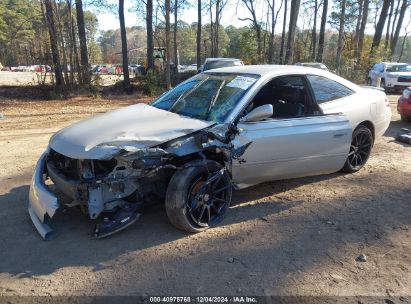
(43, 203)
(114, 189)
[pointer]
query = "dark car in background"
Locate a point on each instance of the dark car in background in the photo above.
(317, 65)
(216, 63)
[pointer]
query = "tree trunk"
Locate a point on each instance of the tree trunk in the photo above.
(54, 45)
(62, 46)
(217, 28)
(399, 25)
(322, 32)
(340, 45)
(75, 50)
(387, 34)
(199, 34)
(124, 50)
(211, 30)
(150, 41)
(283, 33)
(402, 46)
(271, 42)
(361, 34)
(397, 9)
(358, 26)
(314, 32)
(175, 40)
(249, 4)
(294, 10)
(71, 39)
(85, 76)
(168, 45)
(380, 26)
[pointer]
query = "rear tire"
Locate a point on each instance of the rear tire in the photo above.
(360, 149)
(194, 201)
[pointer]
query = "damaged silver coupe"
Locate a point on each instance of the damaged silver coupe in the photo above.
(221, 130)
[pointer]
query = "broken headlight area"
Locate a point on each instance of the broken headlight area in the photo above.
(113, 190)
(110, 190)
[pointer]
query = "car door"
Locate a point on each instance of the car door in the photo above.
(289, 148)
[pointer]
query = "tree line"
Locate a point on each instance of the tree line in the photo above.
(348, 35)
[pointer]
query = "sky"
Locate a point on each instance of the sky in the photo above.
(230, 16)
(109, 21)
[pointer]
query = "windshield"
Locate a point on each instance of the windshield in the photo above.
(206, 96)
(399, 68)
(215, 64)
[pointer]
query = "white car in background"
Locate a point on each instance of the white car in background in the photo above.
(390, 75)
(220, 130)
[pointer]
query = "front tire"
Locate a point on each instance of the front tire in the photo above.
(198, 196)
(360, 149)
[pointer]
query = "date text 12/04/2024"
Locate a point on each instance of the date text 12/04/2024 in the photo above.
(204, 299)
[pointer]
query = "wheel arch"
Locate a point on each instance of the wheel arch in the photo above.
(368, 124)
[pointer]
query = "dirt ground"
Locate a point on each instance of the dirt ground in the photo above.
(294, 237)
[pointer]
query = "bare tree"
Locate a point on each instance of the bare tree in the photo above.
(274, 18)
(85, 77)
(150, 41)
(199, 34)
(217, 6)
(124, 50)
(387, 34)
(61, 42)
(322, 32)
(49, 16)
(340, 45)
(314, 31)
(394, 40)
(250, 5)
(404, 39)
(294, 11)
(380, 25)
(361, 34)
(358, 26)
(175, 49)
(282, 59)
(168, 44)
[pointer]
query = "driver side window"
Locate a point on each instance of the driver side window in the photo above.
(289, 97)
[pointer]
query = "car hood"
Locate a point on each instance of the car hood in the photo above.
(131, 128)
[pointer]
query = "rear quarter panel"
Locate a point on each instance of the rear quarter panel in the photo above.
(364, 105)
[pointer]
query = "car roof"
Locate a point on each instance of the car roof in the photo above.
(222, 59)
(281, 70)
(265, 69)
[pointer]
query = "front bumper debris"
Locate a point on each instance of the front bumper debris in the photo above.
(42, 202)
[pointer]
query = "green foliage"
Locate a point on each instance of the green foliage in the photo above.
(243, 43)
(20, 23)
(151, 83)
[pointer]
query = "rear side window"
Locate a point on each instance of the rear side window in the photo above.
(326, 89)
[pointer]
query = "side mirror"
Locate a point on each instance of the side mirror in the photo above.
(259, 113)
